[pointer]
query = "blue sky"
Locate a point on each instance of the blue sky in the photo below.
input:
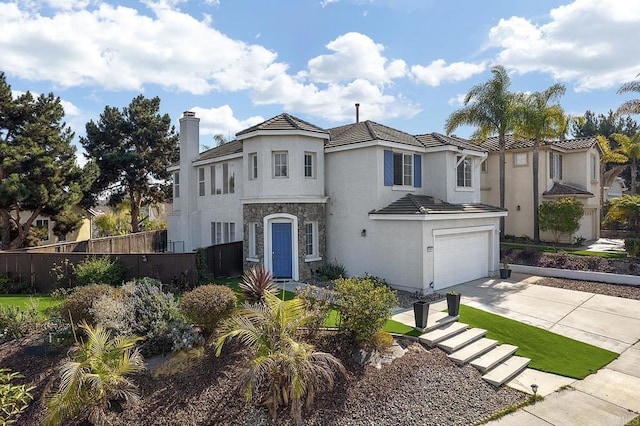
(238, 62)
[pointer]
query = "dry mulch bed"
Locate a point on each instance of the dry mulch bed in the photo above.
(617, 290)
(421, 387)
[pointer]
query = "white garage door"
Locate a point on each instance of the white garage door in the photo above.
(458, 258)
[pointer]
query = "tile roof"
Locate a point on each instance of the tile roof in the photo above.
(424, 204)
(366, 131)
(561, 189)
(228, 148)
(491, 144)
(431, 140)
(283, 121)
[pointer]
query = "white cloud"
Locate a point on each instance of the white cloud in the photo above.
(324, 3)
(589, 42)
(457, 100)
(221, 120)
(355, 56)
(438, 72)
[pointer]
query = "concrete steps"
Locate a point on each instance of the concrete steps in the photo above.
(506, 370)
(435, 320)
(473, 350)
(461, 340)
(441, 333)
(494, 357)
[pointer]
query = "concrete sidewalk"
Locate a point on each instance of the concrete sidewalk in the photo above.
(609, 397)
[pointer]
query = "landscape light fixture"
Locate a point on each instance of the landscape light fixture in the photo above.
(534, 388)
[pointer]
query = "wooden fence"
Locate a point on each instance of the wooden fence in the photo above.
(141, 242)
(35, 268)
(225, 260)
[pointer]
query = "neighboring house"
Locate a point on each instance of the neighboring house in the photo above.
(46, 224)
(401, 207)
(617, 188)
(567, 168)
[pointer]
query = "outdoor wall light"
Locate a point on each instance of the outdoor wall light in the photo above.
(518, 208)
(430, 249)
(363, 233)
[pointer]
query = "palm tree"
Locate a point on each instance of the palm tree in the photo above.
(630, 148)
(95, 376)
(631, 106)
(490, 107)
(289, 371)
(538, 120)
(609, 156)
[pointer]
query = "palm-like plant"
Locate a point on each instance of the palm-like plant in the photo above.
(256, 282)
(95, 376)
(631, 106)
(630, 148)
(490, 107)
(288, 371)
(538, 120)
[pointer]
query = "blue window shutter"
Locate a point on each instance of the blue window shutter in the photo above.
(417, 170)
(388, 168)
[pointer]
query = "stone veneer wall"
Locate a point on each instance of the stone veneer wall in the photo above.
(305, 212)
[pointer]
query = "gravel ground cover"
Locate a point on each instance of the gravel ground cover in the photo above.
(617, 290)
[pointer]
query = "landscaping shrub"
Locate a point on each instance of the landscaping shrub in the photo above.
(63, 274)
(364, 307)
(113, 315)
(208, 304)
(155, 316)
(632, 247)
(256, 282)
(10, 285)
(99, 270)
(15, 322)
(79, 303)
(382, 340)
(14, 399)
(317, 304)
(332, 271)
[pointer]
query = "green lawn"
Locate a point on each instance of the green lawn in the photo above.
(551, 249)
(44, 302)
(548, 351)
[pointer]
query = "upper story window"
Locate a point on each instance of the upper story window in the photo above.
(520, 159)
(594, 168)
(253, 166)
(483, 166)
(463, 171)
(402, 169)
(223, 232)
(310, 164)
(43, 226)
(176, 185)
(201, 181)
(555, 166)
(280, 164)
(223, 178)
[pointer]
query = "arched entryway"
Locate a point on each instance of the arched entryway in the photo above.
(281, 245)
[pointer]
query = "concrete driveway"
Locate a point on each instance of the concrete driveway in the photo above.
(612, 395)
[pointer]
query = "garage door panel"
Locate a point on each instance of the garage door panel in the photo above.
(460, 257)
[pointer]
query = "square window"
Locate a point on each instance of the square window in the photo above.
(402, 169)
(280, 164)
(520, 159)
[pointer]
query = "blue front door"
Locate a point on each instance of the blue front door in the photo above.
(281, 244)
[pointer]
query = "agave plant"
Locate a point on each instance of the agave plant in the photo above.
(256, 282)
(95, 376)
(284, 370)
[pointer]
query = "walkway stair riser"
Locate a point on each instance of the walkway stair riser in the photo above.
(442, 333)
(473, 350)
(494, 357)
(461, 340)
(506, 370)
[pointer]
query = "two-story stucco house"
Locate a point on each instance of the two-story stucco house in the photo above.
(380, 201)
(567, 168)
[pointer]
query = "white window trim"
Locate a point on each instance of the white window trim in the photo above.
(459, 162)
(281, 218)
(176, 185)
(526, 159)
(273, 164)
(556, 169)
(253, 165)
(201, 182)
(404, 154)
(484, 166)
(253, 239)
(313, 156)
(594, 168)
(315, 256)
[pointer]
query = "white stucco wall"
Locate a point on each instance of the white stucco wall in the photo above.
(296, 184)
(441, 178)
